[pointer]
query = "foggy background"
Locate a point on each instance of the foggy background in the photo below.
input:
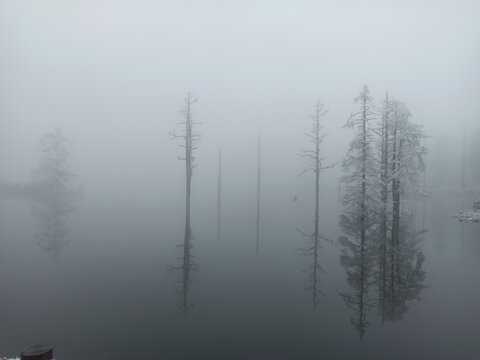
(113, 74)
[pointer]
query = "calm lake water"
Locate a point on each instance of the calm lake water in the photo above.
(108, 295)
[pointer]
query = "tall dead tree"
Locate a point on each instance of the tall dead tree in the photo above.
(462, 224)
(316, 137)
(258, 193)
(396, 181)
(219, 193)
(463, 182)
(189, 143)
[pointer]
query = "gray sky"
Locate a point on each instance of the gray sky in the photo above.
(113, 75)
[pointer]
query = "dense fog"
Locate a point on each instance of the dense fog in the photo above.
(106, 252)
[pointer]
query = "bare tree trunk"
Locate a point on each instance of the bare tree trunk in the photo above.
(219, 193)
(397, 213)
(463, 189)
(464, 141)
(258, 194)
(383, 215)
(189, 141)
(395, 209)
(363, 214)
(317, 203)
(424, 193)
(315, 166)
(188, 230)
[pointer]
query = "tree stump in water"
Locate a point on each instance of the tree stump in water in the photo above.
(37, 352)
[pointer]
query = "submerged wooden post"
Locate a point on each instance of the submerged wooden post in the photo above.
(37, 352)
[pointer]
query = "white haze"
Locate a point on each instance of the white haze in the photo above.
(113, 75)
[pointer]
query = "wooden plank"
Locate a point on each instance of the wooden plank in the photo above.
(37, 352)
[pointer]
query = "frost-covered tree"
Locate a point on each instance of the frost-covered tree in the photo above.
(380, 245)
(357, 219)
(400, 163)
(315, 166)
(407, 164)
(189, 139)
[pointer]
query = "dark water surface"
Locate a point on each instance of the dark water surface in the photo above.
(109, 294)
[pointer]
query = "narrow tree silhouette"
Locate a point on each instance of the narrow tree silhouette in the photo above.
(315, 166)
(189, 143)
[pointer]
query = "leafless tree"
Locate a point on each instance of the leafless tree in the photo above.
(189, 139)
(259, 179)
(384, 133)
(315, 166)
(219, 194)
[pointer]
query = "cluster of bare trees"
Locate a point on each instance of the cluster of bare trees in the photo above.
(380, 245)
